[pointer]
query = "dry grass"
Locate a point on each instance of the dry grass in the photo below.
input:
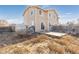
(73, 48)
(42, 44)
(56, 47)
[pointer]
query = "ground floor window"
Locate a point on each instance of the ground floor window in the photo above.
(42, 26)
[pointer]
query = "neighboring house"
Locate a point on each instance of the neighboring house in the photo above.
(75, 29)
(39, 18)
(3, 23)
(70, 29)
(4, 26)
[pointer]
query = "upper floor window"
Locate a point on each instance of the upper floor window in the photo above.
(32, 12)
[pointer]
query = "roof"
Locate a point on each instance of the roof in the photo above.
(31, 7)
(45, 10)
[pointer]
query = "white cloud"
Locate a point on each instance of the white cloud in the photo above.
(15, 21)
(64, 18)
(68, 13)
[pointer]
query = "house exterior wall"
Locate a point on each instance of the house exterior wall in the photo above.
(37, 21)
(43, 18)
(53, 17)
(28, 18)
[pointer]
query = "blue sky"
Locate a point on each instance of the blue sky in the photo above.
(14, 13)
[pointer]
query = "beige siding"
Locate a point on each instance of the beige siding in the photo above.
(28, 18)
(53, 18)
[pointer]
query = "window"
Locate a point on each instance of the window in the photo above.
(32, 12)
(42, 26)
(49, 14)
(49, 24)
(40, 12)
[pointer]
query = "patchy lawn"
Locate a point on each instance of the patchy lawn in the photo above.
(38, 44)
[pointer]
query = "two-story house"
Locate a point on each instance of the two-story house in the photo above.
(40, 18)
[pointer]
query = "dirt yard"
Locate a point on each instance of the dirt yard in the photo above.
(11, 43)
